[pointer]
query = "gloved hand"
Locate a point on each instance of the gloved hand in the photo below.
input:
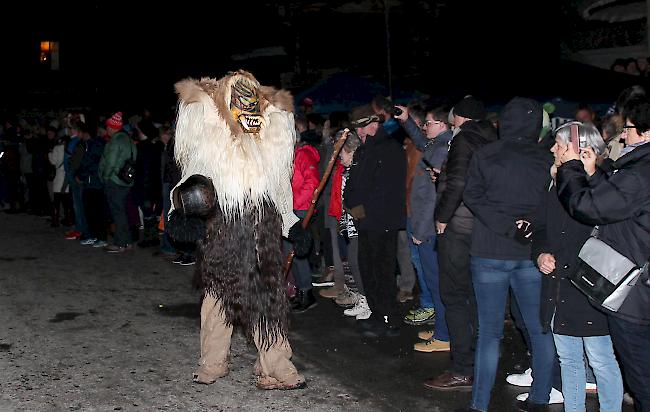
(183, 228)
(523, 232)
(301, 239)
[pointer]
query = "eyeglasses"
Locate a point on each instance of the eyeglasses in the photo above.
(428, 122)
(626, 127)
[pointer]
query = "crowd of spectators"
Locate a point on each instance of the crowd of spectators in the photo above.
(71, 169)
(634, 66)
(475, 210)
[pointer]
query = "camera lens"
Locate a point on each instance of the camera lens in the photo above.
(396, 111)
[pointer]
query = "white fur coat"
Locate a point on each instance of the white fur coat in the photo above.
(246, 169)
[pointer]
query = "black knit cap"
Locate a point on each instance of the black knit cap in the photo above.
(470, 108)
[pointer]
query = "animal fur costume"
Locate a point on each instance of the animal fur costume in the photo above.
(241, 135)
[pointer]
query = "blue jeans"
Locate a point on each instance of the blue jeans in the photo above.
(426, 301)
(492, 279)
(600, 353)
(78, 205)
(431, 276)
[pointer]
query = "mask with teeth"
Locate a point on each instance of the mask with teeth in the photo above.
(245, 105)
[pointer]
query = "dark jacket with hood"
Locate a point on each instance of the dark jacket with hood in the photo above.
(377, 184)
(170, 172)
(507, 181)
(88, 171)
(450, 208)
(147, 185)
(619, 203)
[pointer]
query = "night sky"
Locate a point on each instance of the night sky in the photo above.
(112, 52)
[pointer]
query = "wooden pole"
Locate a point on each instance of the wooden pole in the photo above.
(314, 198)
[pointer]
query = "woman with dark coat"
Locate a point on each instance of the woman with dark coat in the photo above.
(575, 323)
(619, 203)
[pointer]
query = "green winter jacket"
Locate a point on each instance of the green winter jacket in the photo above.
(118, 149)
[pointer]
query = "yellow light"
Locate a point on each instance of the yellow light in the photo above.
(46, 46)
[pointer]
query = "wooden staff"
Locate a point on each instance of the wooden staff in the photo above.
(312, 207)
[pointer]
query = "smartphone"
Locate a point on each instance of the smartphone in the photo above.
(575, 140)
(430, 166)
(582, 142)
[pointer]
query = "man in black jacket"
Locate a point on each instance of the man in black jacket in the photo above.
(506, 182)
(375, 195)
(454, 226)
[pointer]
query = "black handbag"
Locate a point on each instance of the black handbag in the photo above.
(604, 275)
(127, 172)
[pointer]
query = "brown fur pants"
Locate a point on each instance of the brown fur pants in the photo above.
(273, 368)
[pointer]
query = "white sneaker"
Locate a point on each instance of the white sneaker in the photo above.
(88, 241)
(554, 397)
(100, 243)
(364, 315)
(591, 388)
(360, 307)
(521, 379)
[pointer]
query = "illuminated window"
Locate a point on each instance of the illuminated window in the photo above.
(49, 54)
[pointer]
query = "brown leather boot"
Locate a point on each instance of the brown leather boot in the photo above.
(450, 381)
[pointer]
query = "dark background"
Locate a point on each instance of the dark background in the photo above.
(117, 54)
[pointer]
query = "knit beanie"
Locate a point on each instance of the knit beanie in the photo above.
(115, 122)
(470, 108)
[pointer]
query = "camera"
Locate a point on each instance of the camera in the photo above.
(396, 111)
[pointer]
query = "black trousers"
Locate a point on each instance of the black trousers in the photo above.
(457, 293)
(31, 191)
(328, 251)
(42, 204)
(377, 254)
(96, 212)
(116, 196)
(631, 342)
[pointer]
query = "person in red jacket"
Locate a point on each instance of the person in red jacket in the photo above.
(305, 180)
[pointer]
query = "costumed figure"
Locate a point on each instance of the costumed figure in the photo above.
(234, 144)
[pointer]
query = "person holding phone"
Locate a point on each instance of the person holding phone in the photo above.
(619, 203)
(577, 326)
(432, 139)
